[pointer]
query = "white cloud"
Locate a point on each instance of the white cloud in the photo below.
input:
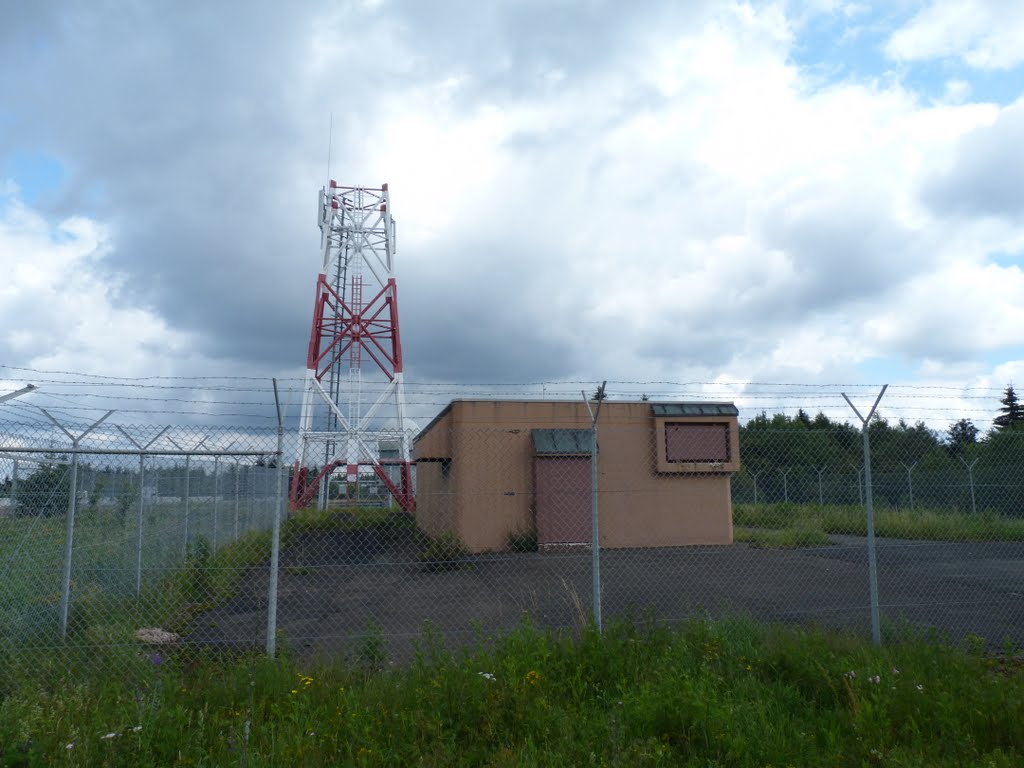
(984, 34)
(60, 309)
(968, 306)
(957, 91)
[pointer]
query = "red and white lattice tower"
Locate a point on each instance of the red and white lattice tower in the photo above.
(353, 417)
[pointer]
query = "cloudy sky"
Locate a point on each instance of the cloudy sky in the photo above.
(819, 191)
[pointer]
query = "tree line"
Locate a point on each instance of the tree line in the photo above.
(46, 488)
(807, 459)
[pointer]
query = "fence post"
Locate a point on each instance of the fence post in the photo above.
(595, 533)
(238, 472)
(910, 481)
(275, 536)
(187, 493)
(69, 531)
(876, 632)
(970, 475)
(216, 492)
(785, 483)
(139, 524)
(754, 475)
(821, 495)
(860, 489)
(142, 501)
(188, 497)
(69, 537)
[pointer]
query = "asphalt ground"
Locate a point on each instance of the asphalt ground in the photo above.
(340, 590)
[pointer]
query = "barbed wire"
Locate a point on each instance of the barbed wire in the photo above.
(77, 395)
(136, 380)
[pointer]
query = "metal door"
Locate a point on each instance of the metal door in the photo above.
(562, 498)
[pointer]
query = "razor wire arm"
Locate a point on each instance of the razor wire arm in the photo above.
(19, 392)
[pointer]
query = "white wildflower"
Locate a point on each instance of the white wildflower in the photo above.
(136, 728)
(920, 687)
(487, 676)
(110, 735)
(70, 746)
(876, 679)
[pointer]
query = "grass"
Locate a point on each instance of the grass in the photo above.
(705, 693)
(179, 583)
(782, 538)
(179, 586)
(104, 570)
(923, 524)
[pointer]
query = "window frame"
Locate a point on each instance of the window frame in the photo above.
(663, 465)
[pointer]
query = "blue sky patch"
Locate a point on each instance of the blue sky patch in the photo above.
(1004, 259)
(835, 48)
(35, 173)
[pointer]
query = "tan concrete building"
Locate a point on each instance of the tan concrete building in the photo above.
(487, 470)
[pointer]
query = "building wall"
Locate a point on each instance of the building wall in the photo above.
(435, 499)
(491, 491)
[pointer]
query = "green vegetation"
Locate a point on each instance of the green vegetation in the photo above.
(444, 553)
(1011, 414)
(816, 460)
(45, 492)
(783, 538)
(105, 612)
(179, 582)
(726, 694)
(522, 541)
(926, 524)
(347, 519)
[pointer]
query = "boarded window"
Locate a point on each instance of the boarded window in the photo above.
(696, 443)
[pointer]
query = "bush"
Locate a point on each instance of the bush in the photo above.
(522, 541)
(444, 553)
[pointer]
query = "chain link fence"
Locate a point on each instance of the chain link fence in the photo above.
(129, 529)
(142, 529)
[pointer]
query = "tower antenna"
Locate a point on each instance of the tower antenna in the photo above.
(330, 143)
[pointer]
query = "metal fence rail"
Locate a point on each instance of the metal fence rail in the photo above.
(140, 528)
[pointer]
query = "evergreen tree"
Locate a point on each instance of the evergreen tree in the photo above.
(1012, 412)
(821, 422)
(961, 434)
